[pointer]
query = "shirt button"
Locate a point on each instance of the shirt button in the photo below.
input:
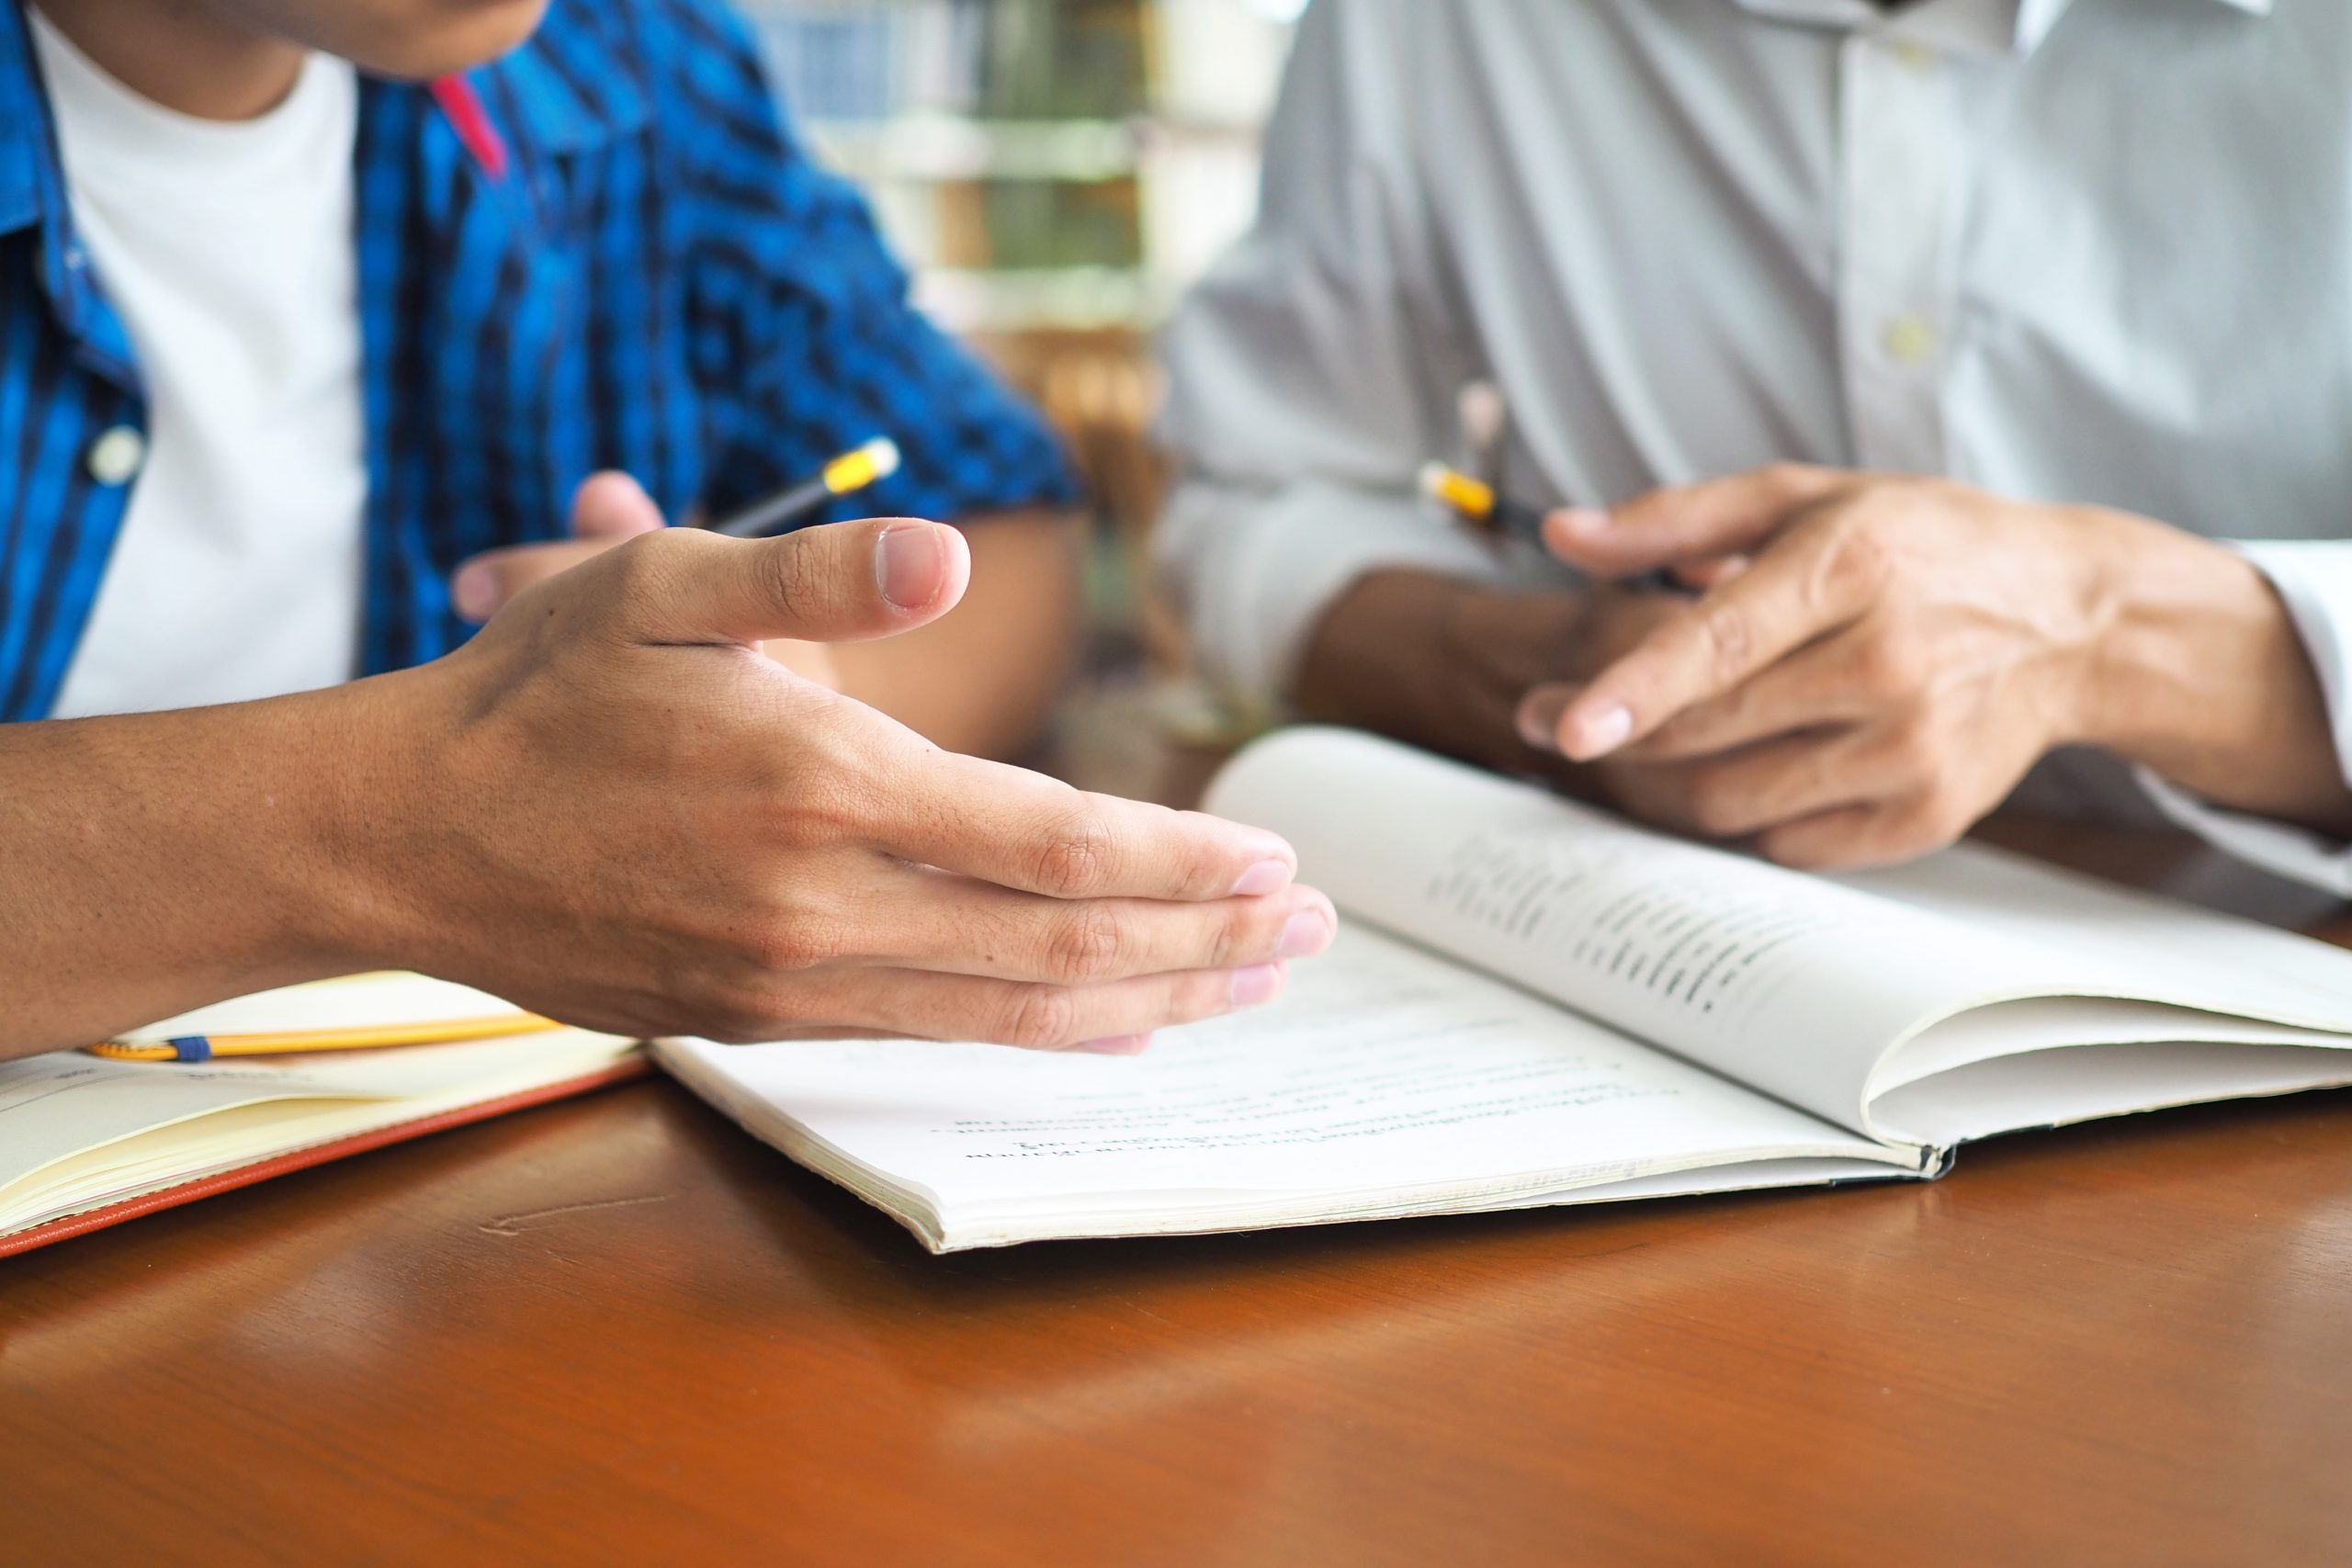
(1910, 340)
(116, 454)
(1915, 56)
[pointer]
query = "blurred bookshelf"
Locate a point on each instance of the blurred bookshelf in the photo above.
(1055, 173)
(1043, 165)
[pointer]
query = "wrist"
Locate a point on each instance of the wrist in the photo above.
(2173, 612)
(2202, 677)
(362, 880)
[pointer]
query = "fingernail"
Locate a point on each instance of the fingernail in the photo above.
(1582, 522)
(1259, 984)
(1305, 934)
(1118, 1045)
(907, 565)
(1539, 719)
(1602, 733)
(475, 593)
(1266, 877)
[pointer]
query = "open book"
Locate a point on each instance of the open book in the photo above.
(1533, 1002)
(87, 1141)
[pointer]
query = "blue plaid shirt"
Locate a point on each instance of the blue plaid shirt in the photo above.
(602, 251)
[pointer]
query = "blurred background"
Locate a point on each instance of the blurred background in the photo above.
(1056, 173)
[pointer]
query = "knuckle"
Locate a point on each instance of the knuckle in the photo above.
(1088, 942)
(1073, 855)
(1859, 560)
(1197, 860)
(1917, 751)
(1730, 637)
(791, 943)
(641, 570)
(802, 591)
(1245, 936)
(1040, 1017)
(796, 829)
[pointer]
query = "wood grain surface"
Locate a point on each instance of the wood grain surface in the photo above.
(618, 1330)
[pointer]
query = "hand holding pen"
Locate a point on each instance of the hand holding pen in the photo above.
(1483, 509)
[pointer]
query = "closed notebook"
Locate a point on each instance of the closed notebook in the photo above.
(1532, 1002)
(87, 1140)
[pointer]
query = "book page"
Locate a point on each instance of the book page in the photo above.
(2165, 949)
(1799, 985)
(1790, 983)
(377, 1000)
(2053, 1088)
(1385, 1079)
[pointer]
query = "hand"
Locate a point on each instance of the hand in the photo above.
(608, 809)
(1442, 662)
(610, 508)
(1885, 658)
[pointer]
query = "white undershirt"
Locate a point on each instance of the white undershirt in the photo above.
(227, 249)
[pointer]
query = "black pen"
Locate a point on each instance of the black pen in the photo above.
(845, 475)
(1486, 510)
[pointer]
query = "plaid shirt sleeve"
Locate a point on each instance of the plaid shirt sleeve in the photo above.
(801, 329)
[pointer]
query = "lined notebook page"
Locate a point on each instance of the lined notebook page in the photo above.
(77, 1130)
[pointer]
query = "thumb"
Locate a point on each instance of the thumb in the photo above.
(840, 582)
(1720, 517)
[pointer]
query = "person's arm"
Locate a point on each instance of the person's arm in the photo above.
(609, 810)
(1311, 373)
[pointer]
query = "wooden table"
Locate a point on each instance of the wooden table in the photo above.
(619, 1330)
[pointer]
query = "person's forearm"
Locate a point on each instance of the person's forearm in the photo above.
(157, 862)
(982, 679)
(2203, 678)
(1435, 661)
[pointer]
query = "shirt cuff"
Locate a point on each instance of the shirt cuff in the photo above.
(2313, 578)
(1255, 569)
(2295, 853)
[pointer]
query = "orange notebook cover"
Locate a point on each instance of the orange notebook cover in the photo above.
(303, 1157)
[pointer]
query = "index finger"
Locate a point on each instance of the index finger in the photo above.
(1713, 517)
(1745, 626)
(1022, 830)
